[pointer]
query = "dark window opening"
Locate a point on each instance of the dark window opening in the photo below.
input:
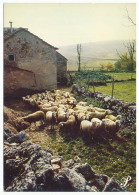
(11, 57)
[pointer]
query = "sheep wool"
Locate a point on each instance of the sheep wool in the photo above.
(86, 126)
(96, 124)
(111, 117)
(36, 116)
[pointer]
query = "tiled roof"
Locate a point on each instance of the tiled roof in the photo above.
(8, 34)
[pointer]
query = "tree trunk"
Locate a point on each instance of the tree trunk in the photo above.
(79, 56)
(112, 87)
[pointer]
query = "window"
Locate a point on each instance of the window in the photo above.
(11, 57)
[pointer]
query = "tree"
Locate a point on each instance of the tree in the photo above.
(79, 56)
(109, 66)
(126, 61)
(129, 18)
(102, 67)
(131, 51)
(118, 65)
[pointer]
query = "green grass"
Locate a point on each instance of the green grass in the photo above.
(122, 75)
(123, 90)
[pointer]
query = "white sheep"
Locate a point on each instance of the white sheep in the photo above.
(113, 118)
(78, 107)
(70, 124)
(96, 125)
(86, 127)
(109, 112)
(43, 105)
(70, 111)
(63, 106)
(96, 114)
(66, 94)
(110, 126)
(99, 109)
(36, 116)
(62, 115)
(82, 103)
(51, 118)
(58, 92)
(46, 109)
(99, 115)
(90, 109)
(72, 101)
(81, 116)
(33, 102)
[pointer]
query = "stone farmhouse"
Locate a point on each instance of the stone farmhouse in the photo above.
(30, 64)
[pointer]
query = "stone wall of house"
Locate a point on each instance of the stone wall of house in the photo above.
(61, 68)
(16, 81)
(33, 54)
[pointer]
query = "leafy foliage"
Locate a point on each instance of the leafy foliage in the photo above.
(109, 67)
(92, 74)
(125, 63)
(86, 78)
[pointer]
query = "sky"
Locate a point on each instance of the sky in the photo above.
(65, 24)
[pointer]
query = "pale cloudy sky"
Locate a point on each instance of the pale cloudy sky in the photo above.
(64, 24)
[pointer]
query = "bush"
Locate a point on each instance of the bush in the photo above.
(87, 78)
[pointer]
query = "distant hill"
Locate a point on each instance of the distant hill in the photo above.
(93, 53)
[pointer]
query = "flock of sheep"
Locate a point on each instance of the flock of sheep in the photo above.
(60, 107)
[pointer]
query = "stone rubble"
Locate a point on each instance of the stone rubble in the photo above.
(27, 167)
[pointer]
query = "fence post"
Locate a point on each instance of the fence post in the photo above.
(112, 87)
(93, 87)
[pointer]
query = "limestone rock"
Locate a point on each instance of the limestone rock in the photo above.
(114, 186)
(56, 167)
(56, 161)
(27, 168)
(100, 181)
(19, 138)
(77, 159)
(7, 133)
(76, 181)
(86, 170)
(68, 163)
